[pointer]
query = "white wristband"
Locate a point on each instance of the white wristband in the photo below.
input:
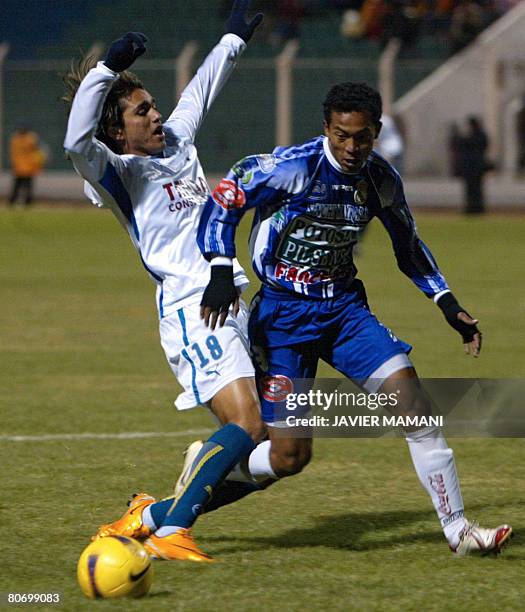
(438, 295)
(221, 261)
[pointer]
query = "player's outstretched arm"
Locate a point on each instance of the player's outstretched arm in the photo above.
(417, 262)
(458, 318)
(199, 95)
(88, 154)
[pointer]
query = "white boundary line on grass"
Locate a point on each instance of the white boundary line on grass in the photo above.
(130, 435)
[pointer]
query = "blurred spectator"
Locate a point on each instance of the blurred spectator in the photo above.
(403, 21)
(454, 150)
(473, 164)
(460, 21)
(284, 18)
(469, 18)
(373, 13)
(352, 25)
(390, 143)
(520, 129)
(27, 160)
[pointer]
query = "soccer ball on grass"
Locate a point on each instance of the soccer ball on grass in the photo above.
(114, 566)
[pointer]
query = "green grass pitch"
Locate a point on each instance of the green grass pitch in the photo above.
(355, 531)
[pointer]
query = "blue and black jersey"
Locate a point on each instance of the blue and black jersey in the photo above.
(309, 215)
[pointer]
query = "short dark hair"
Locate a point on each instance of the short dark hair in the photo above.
(112, 111)
(349, 97)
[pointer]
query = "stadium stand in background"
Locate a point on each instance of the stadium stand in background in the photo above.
(276, 92)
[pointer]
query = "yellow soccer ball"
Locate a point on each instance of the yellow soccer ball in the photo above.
(114, 566)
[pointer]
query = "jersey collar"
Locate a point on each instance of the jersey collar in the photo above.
(333, 161)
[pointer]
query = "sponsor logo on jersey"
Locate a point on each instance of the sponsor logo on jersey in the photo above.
(276, 388)
(318, 191)
(305, 276)
(186, 193)
(229, 195)
(266, 163)
(357, 214)
(245, 176)
(313, 243)
(237, 168)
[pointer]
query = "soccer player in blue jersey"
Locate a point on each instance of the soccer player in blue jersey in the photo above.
(148, 174)
(311, 203)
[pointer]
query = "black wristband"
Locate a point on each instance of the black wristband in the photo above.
(220, 293)
(447, 300)
(451, 308)
(221, 275)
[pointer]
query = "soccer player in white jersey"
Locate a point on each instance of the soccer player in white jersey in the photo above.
(148, 174)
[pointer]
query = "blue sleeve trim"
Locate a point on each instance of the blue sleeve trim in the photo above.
(113, 184)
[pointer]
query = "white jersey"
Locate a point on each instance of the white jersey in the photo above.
(159, 199)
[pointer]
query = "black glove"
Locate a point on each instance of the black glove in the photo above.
(237, 20)
(450, 307)
(219, 295)
(124, 51)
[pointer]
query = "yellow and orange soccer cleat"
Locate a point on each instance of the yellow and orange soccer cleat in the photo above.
(130, 524)
(179, 546)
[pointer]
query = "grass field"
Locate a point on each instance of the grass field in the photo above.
(80, 354)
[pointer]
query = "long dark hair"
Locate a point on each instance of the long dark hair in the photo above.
(112, 111)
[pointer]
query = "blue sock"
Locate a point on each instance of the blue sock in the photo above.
(160, 509)
(215, 460)
(230, 491)
(227, 492)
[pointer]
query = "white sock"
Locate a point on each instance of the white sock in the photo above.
(166, 531)
(435, 467)
(147, 519)
(257, 468)
(259, 464)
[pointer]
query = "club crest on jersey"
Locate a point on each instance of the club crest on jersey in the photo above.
(276, 388)
(361, 192)
(229, 195)
(318, 191)
(266, 162)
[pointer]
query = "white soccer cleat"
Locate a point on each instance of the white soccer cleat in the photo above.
(190, 455)
(477, 540)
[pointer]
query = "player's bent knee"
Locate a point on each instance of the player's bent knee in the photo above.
(237, 403)
(256, 429)
(248, 417)
(417, 404)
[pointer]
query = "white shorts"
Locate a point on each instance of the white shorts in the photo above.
(205, 361)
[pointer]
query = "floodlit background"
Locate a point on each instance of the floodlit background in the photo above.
(435, 62)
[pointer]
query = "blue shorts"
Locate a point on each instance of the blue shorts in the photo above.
(289, 334)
